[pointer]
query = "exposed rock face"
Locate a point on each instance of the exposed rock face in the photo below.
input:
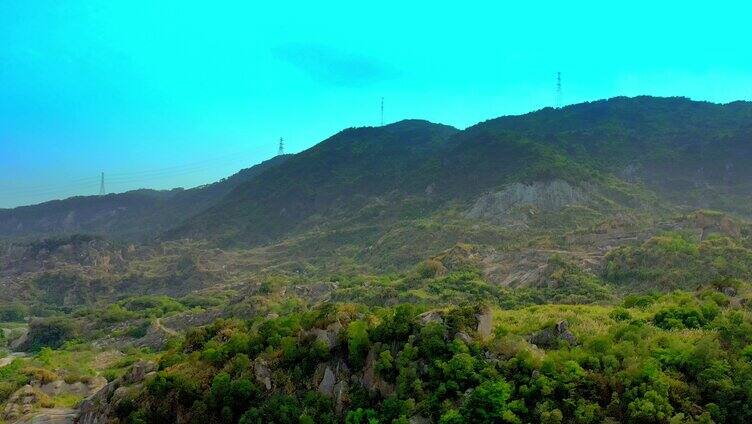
(187, 320)
(51, 416)
(98, 408)
(19, 343)
(505, 206)
(550, 337)
(331, 380)
(485, 323)
(262, 373)
(79, 388)
(22, 402)
(464, 337)
(316, 292)
(429, 317)
(156, 337)
(328, 336)
(24, 405)
(326, 387)
(729, 291)
(370, 379)
(341, 398)
(419, 419)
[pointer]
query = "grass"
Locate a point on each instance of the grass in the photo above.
(582, 319)
(67, 400)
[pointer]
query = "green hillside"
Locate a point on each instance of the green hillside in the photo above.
(590, 264)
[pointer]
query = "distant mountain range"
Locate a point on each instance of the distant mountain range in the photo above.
(608, 156)
(133, 215)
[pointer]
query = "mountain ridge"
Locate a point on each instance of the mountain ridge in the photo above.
(690, 153)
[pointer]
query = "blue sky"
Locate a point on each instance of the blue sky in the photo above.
(180, 93)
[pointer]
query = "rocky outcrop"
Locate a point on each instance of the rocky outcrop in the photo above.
(188, 320)
(512, 205)
(326, 386)
(78, 388)
(340, 391)
(156, 337)
(20, 342)
(50, 416)
(328, 336)
(23, 401)
(552, 336)
(262, 373)
(430, 317)
(370, 379)
(32, 403)
(485, 323)
(98, 408)
(331, 380)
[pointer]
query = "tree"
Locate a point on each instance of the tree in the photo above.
(488, 403)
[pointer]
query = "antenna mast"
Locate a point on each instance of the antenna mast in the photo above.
(101, 185)
(558, 90)
(281, 150)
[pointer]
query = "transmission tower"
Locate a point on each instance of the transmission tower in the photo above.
(281, 150)
(558, 90)
(382, 111)
(101, 185)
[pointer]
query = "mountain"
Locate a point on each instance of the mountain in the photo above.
(694, 152)
(616, 154)
(341, 173)
(394, 194)
(133, 215)
(547, 267)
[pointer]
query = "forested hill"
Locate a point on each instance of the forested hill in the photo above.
(678, 151)
(629, 153)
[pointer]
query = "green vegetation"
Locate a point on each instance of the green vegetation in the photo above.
(677, 261)
(681, 358)
(540, 268)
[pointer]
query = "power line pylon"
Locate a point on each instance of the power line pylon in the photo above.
(101, 185)
(382, 111)
(558, 90)
(281, 150)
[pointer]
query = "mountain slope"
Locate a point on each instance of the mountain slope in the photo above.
(615, 150)
(133, 215)
(694, 153)
(626, 153)
(333, 178)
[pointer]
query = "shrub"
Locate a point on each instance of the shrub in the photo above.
(14, 312)
(51, 332)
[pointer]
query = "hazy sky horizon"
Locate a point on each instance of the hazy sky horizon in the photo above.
(182, 94)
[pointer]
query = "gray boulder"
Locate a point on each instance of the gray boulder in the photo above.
(326, 386)
(485, 323)
(262, 373)
(553, 336)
